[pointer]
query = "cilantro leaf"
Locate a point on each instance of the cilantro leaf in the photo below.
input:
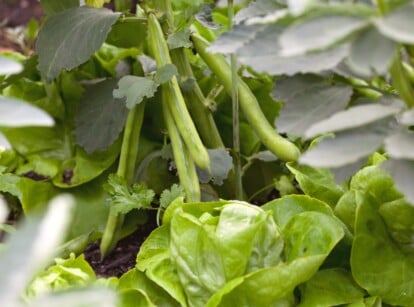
(124, 198)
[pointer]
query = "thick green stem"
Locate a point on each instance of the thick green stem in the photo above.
(401, 81)
(126, 170)
(235, 106)
(280, 146)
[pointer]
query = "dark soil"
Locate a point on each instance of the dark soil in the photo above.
(123, 258)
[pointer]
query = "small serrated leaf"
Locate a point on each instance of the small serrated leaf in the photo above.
(135, 89)
(180, 39)
(166, 73)
(167, 196)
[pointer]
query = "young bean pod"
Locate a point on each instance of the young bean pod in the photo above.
(176, 104)
(280, 146)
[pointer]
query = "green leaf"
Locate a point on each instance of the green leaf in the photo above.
(347, 146)
(402, 171)
(257, 9)
(371, 53)
(100, 117)
(165, 73)
(312, 105)
(318, 33)
(330, 288)
(134, 279)
(128, 34)
(398, 24)
(352, 118)
(180, 39)
(53, 6)
(373, 247)
(96, 3)
(167, 196)
(65, 274)
(17, 113)
(9, 66)
(317, 183)
(86, 26)
(135, 89)
(285, 208)
(310, 237)
(154, 258)
(345, 209)
(401, 145)
(124, 199)
(135, 297)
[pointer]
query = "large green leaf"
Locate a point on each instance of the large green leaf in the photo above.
(100, 117)
(351, 118)
(398, 24)
(317, 183)
(318, 33)
(86, 26)
(330, 288)
(373, 248)
(17, 113)
(154, 259)
(309, 237)
(53, 6)
(371, 53)
(312, 105)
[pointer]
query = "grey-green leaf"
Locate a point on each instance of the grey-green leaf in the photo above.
(402, 171)
(318, 33)
(221, 163)
(135, 89)
(17, 113)
(100, 117)
(310, 106)
(351, 118)
(9, 66)
(398, 24)
(347, 146)
(69, 38)
(166, 73)
(401, 145)
(180, 39)
(371, 53)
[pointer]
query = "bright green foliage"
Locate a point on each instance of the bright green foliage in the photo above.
(124, 198)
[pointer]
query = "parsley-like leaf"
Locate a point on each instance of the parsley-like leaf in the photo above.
(167, 196)
(124, 198)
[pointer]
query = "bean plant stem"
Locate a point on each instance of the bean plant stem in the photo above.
(235, 107)
(126, 170)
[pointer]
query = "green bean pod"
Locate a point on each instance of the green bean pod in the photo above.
(280, 146)
(176, 104)
(185, 165)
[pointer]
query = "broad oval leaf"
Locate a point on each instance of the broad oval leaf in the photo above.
(371, 53)
(16, 113)
(318, 33)
(401, 145)
(352, 118)
(100, 118)
(69, 38)
(347, 146)
(398, 25)
(9, 66)
(310, 106)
